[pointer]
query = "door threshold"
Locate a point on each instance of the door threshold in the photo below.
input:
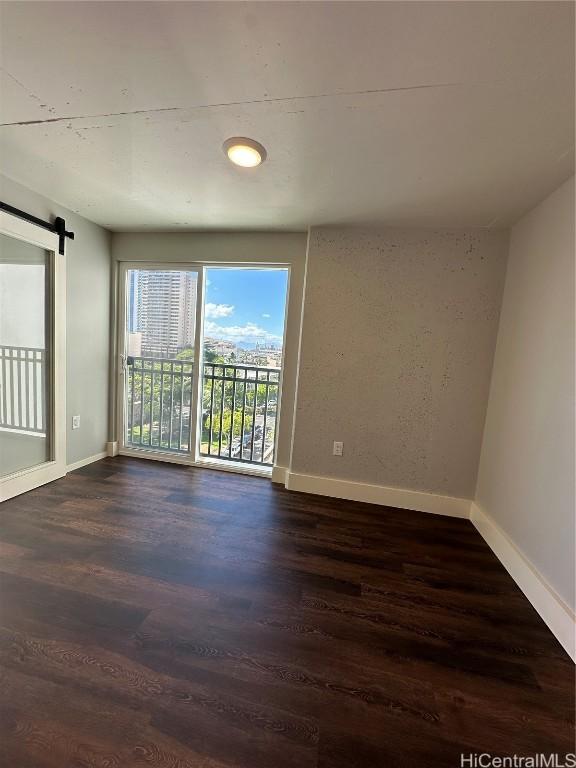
(202, 463)
(167, 458)
(230, 466)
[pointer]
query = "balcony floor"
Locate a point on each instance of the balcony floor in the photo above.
(159, 615)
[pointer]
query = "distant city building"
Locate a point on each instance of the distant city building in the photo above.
(269, 355)
(221, 348)
(162, 308)
(229, 351)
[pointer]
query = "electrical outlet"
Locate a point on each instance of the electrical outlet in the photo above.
(338, 449)
(75, 422)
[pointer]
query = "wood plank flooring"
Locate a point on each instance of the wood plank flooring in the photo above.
(154, 615)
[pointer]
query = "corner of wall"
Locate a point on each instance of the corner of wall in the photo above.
(559, 618)
(297, 387)
(546, 226)
(506, 248)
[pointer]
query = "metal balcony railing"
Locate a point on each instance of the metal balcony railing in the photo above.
(159, 403)
(238, 411)
(22, 388)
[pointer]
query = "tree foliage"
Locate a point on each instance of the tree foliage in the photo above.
(160, 399)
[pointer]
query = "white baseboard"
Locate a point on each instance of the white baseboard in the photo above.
(379, 494)
(112, 449)
(279, 474)
(549, 605)
(84, 462)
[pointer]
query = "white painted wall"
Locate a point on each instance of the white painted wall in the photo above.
(526, 476)
(398, 338)
(287, 248)
(87, 322)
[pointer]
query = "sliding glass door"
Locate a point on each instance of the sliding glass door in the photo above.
(242, 369)
(201, 362)
(159, 357)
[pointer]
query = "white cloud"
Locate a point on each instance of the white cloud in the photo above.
(218, 310)
(266, 315)
(248, 332)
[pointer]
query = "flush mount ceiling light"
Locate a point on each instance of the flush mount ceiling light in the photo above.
(245, 152)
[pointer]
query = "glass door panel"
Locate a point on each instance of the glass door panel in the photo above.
(244, 315)
(25, 359)
(159, 360)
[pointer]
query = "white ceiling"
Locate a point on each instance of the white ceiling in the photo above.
(399, 113)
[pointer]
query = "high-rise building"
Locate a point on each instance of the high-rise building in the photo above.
(163, 309)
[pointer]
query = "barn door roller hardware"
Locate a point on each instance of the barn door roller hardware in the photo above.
(58, 226)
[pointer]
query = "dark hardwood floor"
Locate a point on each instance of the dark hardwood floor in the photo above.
(153, 615)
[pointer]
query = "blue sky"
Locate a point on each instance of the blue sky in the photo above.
(245, 305)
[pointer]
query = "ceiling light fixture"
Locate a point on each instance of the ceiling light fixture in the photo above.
(244, 152)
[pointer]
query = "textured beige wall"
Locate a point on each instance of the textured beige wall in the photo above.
(526, 476)
(397, 345)
(88, 270)
(236, 248)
